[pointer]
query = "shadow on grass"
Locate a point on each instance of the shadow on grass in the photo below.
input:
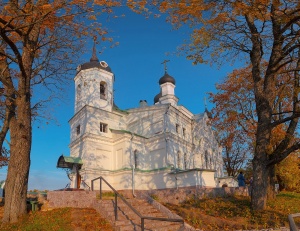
(233, 213)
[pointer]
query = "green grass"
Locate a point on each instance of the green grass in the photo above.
(233, 213)
(106, 195)
(63, 219)
(58, 220)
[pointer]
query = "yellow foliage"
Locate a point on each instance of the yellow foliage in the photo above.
(288, 171)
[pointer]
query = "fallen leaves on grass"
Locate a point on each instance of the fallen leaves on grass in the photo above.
(234, 213)
(63, 219)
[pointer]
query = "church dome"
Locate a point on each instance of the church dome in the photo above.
(94, 62)
(101, 65)
(166, 79)
(156, 98)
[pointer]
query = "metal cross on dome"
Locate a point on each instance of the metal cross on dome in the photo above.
(94, 54)
(165, 64)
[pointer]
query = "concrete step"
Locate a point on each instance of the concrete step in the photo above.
(128, 220)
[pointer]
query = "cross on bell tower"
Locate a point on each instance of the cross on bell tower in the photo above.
(165, 64)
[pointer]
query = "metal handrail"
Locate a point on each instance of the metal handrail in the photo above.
(143, 218)
(85, 184)
(292, 223)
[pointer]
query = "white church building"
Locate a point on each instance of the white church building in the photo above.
(156, 146)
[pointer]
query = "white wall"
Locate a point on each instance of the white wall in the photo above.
(89, 81)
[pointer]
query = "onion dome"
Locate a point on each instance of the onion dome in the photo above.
(166, 79)
(156, 98)
(94, 62)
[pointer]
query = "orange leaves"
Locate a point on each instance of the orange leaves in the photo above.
(107, 3)
(138, 6)
(234, 113)
(164, 6)
(258, 9)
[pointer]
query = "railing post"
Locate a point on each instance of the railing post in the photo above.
(142, 224)
(116, 207)
(293, 226)
(92, 185)
(100, 188)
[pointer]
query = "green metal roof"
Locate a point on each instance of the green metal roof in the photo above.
(68, 161)
(74, 160)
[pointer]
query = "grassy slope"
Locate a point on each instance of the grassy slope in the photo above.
(233, 213)
(65, 219)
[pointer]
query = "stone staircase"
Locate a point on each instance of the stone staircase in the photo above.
(128, 220)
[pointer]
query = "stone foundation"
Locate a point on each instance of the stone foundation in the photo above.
(84, 199)
(75, 199)
(176, 196)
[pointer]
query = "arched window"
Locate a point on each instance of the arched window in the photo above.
(135, 155)
(103, 90)
(179, 163)
(78, 92)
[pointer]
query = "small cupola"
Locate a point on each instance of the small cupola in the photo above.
(167, 86)
(166, 79)
(156, 98)
(94, 62)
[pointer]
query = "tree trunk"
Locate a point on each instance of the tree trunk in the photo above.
(259, 189)
(260, 169)
(18, 169)
(271, 183)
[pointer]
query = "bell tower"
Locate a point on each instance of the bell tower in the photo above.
(94, 84)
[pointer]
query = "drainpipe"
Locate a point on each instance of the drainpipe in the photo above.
(132, 165)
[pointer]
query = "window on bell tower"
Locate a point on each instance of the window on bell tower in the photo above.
(78, 92)
(78, 130)
(103, 127)
(177, 128)
(103, 90)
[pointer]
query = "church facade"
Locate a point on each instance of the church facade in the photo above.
(156, 146)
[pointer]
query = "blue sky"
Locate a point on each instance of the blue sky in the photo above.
(136, 63)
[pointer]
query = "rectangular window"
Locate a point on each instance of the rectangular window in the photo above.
(179, 160)
(103, 89)
(78, 130)
(103, 127)
(78, 95)
(177, 128)
(183, 132)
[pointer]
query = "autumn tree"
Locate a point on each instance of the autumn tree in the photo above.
(253, 31)
(235, 116)
(4, 152)
(39, 40)
(234, 119)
